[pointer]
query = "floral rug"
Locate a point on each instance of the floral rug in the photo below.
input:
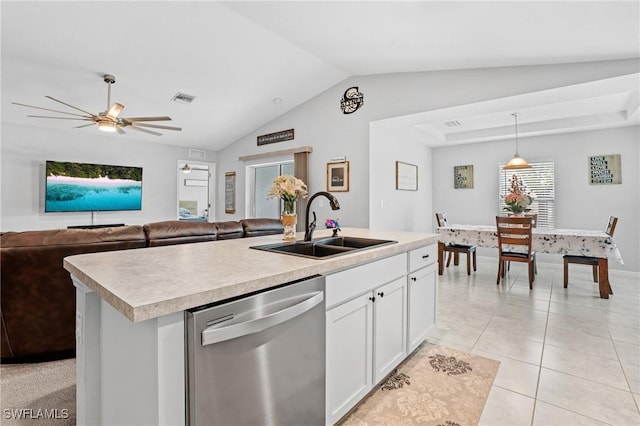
(435, 386)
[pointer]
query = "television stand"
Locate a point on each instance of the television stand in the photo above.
(112, 225)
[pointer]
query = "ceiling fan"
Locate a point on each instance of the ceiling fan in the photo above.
(109, 120)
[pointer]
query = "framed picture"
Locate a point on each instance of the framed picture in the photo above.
(230, 192)
(406, 176)
(338, 177)
(463, 177)
(605, 169)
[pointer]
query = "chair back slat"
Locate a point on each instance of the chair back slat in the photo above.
(514, 231)
(611, 227)
(441, 218)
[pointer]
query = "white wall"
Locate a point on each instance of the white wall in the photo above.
(25, 150)
(578, 204)
(390, 208)
(320, 123)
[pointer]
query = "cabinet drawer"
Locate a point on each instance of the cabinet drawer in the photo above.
(349, 283)
(422, 257)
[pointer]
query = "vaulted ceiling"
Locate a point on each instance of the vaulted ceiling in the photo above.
(236, 58)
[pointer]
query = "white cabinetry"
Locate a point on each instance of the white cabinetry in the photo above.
(366, 330)
(422, 289)
(389, 327)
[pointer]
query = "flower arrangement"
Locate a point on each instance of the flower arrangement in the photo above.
(333, 224)
(519, 198)
(289, 189)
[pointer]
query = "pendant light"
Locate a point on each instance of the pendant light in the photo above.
(516, 162)
(186, 168)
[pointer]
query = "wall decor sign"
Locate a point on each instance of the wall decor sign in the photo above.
(284, 135)
(463, 177)
(338, 177)
(605, 169)
(351, 101)
(230, 192)
(406, 176)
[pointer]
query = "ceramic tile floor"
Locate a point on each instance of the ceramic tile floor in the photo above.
(567, 356)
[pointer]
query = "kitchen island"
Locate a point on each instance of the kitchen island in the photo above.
(131, 303)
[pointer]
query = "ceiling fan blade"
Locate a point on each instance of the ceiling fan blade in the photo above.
(140, 129)
(71, 106)
(157, 126)
(115, 110)
(134, 119)
(48, 109)
(120, 131)
(61, 118)
(84, 125)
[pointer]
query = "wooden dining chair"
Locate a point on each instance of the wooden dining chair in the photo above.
(455, 249)
(514, 244)
(534, 223)
(587, 260)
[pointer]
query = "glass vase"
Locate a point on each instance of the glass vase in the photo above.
(289, 220)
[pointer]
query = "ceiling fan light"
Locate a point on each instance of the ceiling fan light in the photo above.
(107, 126)
(517, 163)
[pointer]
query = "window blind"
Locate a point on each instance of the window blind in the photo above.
(539, 179)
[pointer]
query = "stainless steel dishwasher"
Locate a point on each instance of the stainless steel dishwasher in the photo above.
(258, 360)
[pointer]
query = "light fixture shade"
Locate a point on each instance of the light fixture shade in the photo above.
(107, 126)
(517, 163)
(186, 169)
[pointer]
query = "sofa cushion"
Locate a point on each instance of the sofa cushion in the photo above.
(38, 297)
(258, 227)
(178, 232)
(229, 230)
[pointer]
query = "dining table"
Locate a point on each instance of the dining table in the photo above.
(577, 242)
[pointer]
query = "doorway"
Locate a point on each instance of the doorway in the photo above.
(196, 191)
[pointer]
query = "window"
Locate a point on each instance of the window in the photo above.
(539, 179)
(262, 180)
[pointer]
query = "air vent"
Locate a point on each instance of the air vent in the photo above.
(197, 154)
(183, 98)
(454, 123)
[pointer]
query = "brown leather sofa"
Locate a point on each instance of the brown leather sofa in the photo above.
(37, 305)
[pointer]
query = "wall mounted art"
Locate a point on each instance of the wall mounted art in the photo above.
(230, 192)
(406, 176)
(351, 101)
(605, 169)
(285, 135)
(338, 177)
(463, 177)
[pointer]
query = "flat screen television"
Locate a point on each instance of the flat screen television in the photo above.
(82, 187)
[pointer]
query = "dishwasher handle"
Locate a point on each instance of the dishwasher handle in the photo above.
(214, 334)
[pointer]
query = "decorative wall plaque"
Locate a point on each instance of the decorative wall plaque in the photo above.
(285, 135)
(230, 192)
(351, 101)
(605, 169)
(463, 177)
(406, 176)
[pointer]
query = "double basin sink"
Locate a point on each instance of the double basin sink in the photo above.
(323, 248)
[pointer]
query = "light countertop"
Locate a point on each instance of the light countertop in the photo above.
(151, 282)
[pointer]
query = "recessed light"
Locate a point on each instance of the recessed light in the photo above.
(454, 123)
(276, 101)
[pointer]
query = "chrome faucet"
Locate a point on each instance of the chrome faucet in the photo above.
(309, 228)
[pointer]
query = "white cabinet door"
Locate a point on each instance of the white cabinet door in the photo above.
(349, 355)
(389, 327)
(422, 305)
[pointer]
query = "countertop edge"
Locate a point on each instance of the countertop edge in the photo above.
(142, 312)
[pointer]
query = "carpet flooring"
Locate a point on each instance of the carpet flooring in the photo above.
(38, 394)
(434, 386)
